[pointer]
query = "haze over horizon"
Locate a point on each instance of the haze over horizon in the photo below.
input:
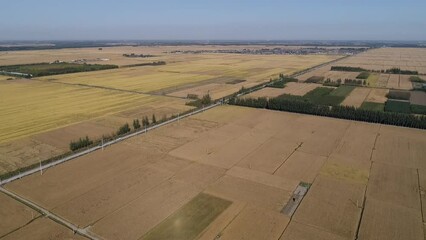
(213, 20)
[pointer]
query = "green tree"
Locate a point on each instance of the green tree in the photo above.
(136, 124)
(154, 120)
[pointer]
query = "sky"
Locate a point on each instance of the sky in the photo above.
(213, 20)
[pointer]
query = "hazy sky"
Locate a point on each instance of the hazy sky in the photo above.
(215, 19)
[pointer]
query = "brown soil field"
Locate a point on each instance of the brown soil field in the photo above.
(41, 229)
(378, 59)
(300, 231)
(41, 146)
(356, 97)
(266, 93)
(14, 215)
(254, 158)
(418, 97)
(114, 55)
(388, 221)
(377, 95)
(299, 89)
(331, 204)
(386, 58)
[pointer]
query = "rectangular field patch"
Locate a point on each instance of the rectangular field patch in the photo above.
(189, 221)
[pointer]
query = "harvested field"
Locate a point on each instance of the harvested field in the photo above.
(70, 104)
(14, 215)
(377, 60)
(356, 97)
(377, 95)
(299, 231)
(41, 229)
(138, 186)
(386, 58)
(256, 223)
(299, 89)
(331, 205)
(204, 69)
(267, 92)
(387, 179)
(384, 221)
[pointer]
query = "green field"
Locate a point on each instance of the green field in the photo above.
(372, 106)
(418, 109)
(189, 221)
(397, 106)
(328, 96)
(342, 91)
(363, 75)
(46, 69)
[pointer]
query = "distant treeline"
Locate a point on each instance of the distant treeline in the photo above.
(348, 69)
(358, 69)
(132, 55)
(399, 71)
(47, 69)
(146, 64)
(343, 112)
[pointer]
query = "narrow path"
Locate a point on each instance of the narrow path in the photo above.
(49, 214)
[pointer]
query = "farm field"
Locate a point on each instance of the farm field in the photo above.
(114, 54)
(378, 59)
(97, 103)
(356, 97)
(267, 92)
(31, 133)
(245, 163)
(203, 69)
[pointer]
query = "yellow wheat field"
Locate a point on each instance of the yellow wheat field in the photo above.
(28, 107)
(218, 68)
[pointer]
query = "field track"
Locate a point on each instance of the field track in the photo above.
(49, 214)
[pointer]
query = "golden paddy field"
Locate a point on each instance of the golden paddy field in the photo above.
(29, 107)
(190, 70)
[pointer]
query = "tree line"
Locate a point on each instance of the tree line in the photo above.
(343, 112)
(122, 130)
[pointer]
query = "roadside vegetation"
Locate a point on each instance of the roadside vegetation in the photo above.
(343, 112)
(281, 81)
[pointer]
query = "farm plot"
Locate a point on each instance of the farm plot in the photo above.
(141, 187)
(335, 199)
(377, 95)
(30, 106)
(43, 228)
(418, 98)
(14, 215)
(195, 216)
(299, 89)
(356, 97)
(266, 93)
(382, 220)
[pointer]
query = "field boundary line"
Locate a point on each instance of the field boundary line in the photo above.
(366, 186)
(95, 148)
(48, 214)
